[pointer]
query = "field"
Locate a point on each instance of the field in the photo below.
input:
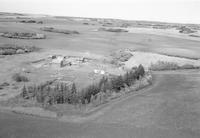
(39, 49)
(164, 110)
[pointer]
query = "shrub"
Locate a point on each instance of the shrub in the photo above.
(121, 55)
(10, 49)
(112, 30)
(98, 99)
(22, 35)
(163, 65)
(140, 71)
(117, 83)
(28, 21)
(4, 84)
(55, 30)
(129, 78)
(24, 93)
(90, 90)
(7, 52)
(188, 66)
(20, 78)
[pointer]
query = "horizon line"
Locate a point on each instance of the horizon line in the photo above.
(158, 21)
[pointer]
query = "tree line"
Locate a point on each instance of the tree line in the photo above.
(48, 94)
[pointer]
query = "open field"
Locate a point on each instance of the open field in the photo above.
(82, 51)
(170, 108)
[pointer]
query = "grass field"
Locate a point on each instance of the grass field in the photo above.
(169, 108)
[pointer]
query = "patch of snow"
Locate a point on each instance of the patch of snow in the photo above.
(96, 71)
(58, 59)
(147, 59)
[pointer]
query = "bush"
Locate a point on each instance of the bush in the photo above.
(98, 99)
(117, 83)
(121, 55)
(163, 65)
(10, 49)
(116, 30)
(51, 29)
(28, 21)
(188, 66)
(22, 35)
(19, 78)
(7, 52)
(140, 71)
(129, 78)
(89, 91)
(4, 84)
(24, 93)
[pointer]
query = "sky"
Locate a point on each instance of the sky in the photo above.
(178, 11)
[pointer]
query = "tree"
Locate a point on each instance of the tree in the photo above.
(62, 95)
(103, 88)
(127, 79)
(117, 83)
(140, 71)
(103, 81)
(73, 90)
(66, 93)
(40, 96)
(24, 92)
(73, 97)
(91, 98)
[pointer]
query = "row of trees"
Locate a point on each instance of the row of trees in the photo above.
(47, 94)
(61, 93)
(113, 84)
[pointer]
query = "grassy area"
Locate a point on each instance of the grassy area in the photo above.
(164, 65)
(91, 42)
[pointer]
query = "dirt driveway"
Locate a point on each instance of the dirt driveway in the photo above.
(169, 109)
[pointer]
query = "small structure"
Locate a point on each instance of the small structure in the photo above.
(96, 71)
(63, 60)
(57, 59)
(102, 72)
